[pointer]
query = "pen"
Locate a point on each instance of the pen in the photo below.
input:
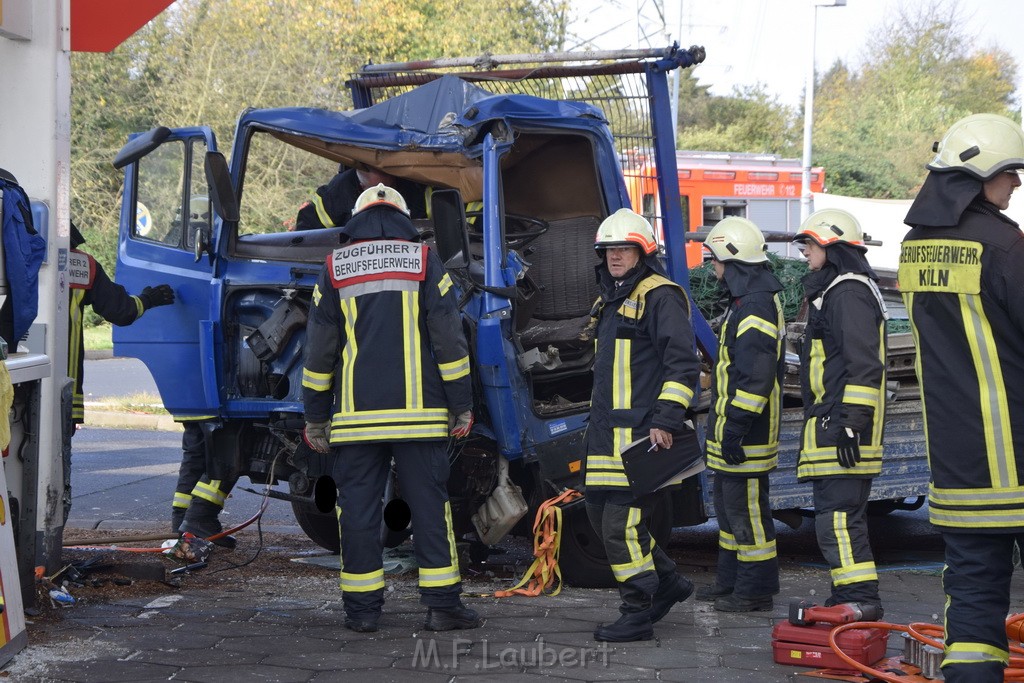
(653, 446)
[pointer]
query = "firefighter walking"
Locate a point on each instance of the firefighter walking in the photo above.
(645, 371)
(962, 275)
(843, 388)
(387, 369)
(743, 422)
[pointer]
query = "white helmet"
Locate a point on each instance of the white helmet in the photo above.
(736, 239)
(379, 195)
(982, 145)
(831, 226)
(625, 228)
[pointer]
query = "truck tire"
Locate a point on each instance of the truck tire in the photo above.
(320, 527)
(582, 559)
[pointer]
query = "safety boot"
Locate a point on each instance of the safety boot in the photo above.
(712, 592)
(177, 517)
(630, 627)
(202, 521)
(665, 599)
(451, 618)
(363, 623)
(736, 603)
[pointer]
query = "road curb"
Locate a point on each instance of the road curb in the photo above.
(125, 420)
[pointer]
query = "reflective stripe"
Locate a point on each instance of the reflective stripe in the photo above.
(842, 534)
(377, 286)
(756, 553)
(722, 379)
(822, 462)
(860, 395)
(607, 479)
(976, 519)
(75, 334)
(317, 381)
(856, 573)
(210, 492)
(817, 370)
(674, 391)
(748, 401)
(411, 338)
(622, 381)
(753, 322)
(317, 295)
(442, 576)
(362, 583)
(444, 284)
(974, 653)
(348, 357)
(343, 420)
(389, 432)
(727, 541)
(192, 418)
(761, 549)
(640, 561)
(454, 370)
(181, 500)
(978, 496)
(321, 212)
(139, 308)
(992, 392)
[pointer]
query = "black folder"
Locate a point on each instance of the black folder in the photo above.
(648, 470)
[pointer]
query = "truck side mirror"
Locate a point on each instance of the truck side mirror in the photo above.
(222, 194)
(141, 146)
(450, 236)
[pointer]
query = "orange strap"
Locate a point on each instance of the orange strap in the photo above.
(544, 577)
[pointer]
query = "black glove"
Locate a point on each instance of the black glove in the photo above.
(732, 449)
(848, 447)
(161, 295)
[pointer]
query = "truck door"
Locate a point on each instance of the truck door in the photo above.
(165, 211)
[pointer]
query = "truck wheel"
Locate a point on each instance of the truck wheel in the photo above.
(582, 558)
(322, 528)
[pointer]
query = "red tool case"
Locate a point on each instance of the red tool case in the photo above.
(808, 646)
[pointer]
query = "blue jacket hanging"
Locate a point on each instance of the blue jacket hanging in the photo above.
(24, 249)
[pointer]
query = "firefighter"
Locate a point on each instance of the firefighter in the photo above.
(199, 498)
(645, 372)
(387, 369)
(743, 423)
(89, 285)
(332, 203)
(961, 275)
(843, 389)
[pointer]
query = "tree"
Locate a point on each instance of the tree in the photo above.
(750, 120)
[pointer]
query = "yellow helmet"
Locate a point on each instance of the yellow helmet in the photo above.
(380, 195)
(626, 228)
(736, 239)
(982, 145)
(831, 226)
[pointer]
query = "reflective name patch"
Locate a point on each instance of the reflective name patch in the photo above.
(80, 272)
(377, 260)
(951, 266)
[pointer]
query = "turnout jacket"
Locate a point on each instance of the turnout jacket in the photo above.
(843, 373)
(386, 357)
(645, 368)
(332, 203)
(746, 397)
(963, 286)
(89, 285)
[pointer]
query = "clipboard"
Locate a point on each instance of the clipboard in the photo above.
(649, 470)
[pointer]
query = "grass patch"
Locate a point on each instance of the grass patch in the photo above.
(143, 402)
(97, 338)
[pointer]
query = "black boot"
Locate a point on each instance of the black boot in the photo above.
(666, 598)
(736, 603)
(712, 592)
(630, 627)
(451, 618)
(201, 520)
(363, 623)
(177, 517)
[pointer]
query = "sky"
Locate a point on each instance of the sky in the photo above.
(768, 41)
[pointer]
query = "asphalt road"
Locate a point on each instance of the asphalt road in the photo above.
(116, 377)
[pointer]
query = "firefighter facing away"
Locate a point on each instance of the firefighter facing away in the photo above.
(88, 285)
(843, 388)
(743, 422)
(961, 275)
(387, 376)
(645, 371)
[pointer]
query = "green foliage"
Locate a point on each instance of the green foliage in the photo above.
(713, 301)
(748, 121)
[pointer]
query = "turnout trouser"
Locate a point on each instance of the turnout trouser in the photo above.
(193, 464)
(841, 524)
(747, 559)
(638, 564)
(976, 581)
(361, 472)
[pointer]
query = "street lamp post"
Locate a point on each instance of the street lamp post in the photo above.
(805, 177)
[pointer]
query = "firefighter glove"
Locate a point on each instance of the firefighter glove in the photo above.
(848, 447)
(732, 449)
(161, 295)
(463, 423)
(316, 436)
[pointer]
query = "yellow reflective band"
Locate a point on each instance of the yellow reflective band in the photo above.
(753, 322)
(842, 538)
(986, 497)
(622, 381)
(974, 653)
(444, 284)
(348, 357)
(441, 576)
(607, 479)
(674, 391)
(992, 393)
(756, 553)
(748, 401)
(317, 381)
(817, 370)
(749, 466)
(192, 418)
(453, 553)
(727, 541)
(854, 573)
(822, 462)
(362, 583)
(454, 370)
(321, 212)
(181, 500)
(722, 380)
(636, 553)
(948, 266)
(75, 335)
(316, 294)
(411, 338)
(139, 308)
(389, 432)
(624, 572)
(210, 492)
(604, 461)
(754, 515)
(375, 417)
(861, 395)
(976, 519)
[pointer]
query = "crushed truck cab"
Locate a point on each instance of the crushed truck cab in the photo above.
(517, 169)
